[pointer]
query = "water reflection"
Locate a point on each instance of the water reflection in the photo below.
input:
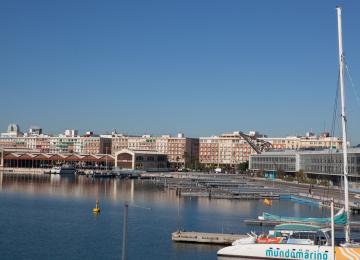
(145, 192)
(140, 191)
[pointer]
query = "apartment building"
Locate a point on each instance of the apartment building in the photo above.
(60, 144)
(228, 149)
(40, 142)
(309, 141)
(95, 145)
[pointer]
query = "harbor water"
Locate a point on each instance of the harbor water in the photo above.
(50, 217)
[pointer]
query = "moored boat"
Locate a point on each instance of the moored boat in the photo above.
(63, 170)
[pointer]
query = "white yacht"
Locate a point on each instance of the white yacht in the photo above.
(286, 241)
(298, 241)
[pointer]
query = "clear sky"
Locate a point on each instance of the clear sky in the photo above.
(198, 67)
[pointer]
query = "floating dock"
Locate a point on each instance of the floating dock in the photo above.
(205, 238)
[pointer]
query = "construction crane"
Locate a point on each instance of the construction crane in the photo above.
(257, 144)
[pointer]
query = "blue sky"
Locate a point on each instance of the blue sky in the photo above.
(198, 67)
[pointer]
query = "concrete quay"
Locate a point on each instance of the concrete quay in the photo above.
(29, 171)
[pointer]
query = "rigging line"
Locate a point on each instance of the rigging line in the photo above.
(336, 127)
(330, 169)
(335, 108)
(352, 86)
(352, 83)
(334, 118)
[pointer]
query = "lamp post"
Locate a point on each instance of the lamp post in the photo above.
(125, 220)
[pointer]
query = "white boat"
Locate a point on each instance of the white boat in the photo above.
(286, 241)
(55, 170)
(303, 242)
(62, 170)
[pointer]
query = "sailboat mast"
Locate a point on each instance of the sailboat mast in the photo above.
(343, 125)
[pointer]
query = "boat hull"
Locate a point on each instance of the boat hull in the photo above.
(288, 251)
(277, 251)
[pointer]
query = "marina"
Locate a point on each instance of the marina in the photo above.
(69, 201)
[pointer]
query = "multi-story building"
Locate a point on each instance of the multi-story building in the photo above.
(60, 144)
(225, 150)
(12, 142)
(180, 150)
(325, 163)
(95, 145)
(309, 141)
(40, 142)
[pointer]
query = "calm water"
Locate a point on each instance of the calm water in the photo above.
(49, 217)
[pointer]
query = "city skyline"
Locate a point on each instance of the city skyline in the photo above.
(32, 130)
(201, 68)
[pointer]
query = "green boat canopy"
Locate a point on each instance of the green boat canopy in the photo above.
(297, 227)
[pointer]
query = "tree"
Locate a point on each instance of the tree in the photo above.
(244, 166)
(300, 176)
(280, 173)
(260, 173)
(195, 165)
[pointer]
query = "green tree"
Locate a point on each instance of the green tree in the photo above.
(195, 165)
(300, 176)
(244, 166)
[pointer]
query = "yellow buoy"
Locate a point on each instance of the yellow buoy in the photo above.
(97, 207)
(267, 202)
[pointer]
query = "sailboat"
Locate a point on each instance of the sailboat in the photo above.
(299, 240)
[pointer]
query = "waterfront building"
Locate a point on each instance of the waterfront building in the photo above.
(60, 144)
(181, 151)
(12, 158)
(226, 150)
(309, 141)
(318, 164)
(140, 160)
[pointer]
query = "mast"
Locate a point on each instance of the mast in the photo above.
(343, 125)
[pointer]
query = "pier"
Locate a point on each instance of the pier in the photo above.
(205, 238)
